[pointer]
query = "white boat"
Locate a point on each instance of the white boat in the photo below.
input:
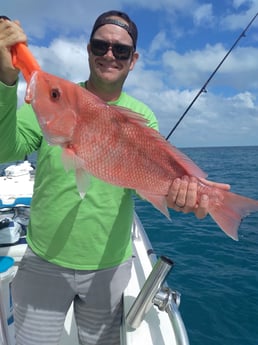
(151, 315)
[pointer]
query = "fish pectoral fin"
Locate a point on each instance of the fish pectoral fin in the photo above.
(158, 201)
(82, 181)
(71, 160)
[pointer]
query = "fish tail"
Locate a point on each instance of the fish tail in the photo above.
(230, 212)
(23, 59)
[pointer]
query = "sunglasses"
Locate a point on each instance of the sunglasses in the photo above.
(120, 51)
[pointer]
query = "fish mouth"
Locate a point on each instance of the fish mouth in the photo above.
(30, 91)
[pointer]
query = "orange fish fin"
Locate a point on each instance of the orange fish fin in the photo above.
(131, 115)
(229, 214)
(23, 59)
(185, 162)
(158, 201)
(187, 165)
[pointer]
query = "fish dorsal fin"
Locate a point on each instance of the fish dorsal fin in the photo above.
(185, 162)
(130, 115)
(187, 165)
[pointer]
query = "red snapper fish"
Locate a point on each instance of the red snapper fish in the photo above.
(115, 145)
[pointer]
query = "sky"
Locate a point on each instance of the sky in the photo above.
(180, 44)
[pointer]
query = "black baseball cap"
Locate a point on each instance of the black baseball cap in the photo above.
(106, 18)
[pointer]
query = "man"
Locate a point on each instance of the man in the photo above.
(78, 250)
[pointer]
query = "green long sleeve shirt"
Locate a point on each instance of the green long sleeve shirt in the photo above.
(89, 233)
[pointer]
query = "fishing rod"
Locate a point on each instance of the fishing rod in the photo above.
(203, 88)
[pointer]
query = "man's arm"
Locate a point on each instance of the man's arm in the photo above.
(19, 133)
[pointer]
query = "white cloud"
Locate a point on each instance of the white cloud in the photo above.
(41, 17)
(159, 43)
(248, 3)
(203, 15)
(189, 68)
(64, 57)
(194, 67)
(240, 19)
(213, 119)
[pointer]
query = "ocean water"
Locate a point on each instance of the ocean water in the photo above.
(217, 277)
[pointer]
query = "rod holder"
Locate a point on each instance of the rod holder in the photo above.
(144, 300)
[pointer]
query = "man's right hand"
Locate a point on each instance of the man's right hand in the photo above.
(10, 34)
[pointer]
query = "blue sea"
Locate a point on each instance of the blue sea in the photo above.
(217, 277)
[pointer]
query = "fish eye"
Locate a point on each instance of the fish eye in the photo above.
(55, 94)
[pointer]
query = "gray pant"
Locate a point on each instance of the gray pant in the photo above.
(43, 292)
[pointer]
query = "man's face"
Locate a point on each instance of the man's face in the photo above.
(108, 68)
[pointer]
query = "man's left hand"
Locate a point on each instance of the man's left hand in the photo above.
(183, 196)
